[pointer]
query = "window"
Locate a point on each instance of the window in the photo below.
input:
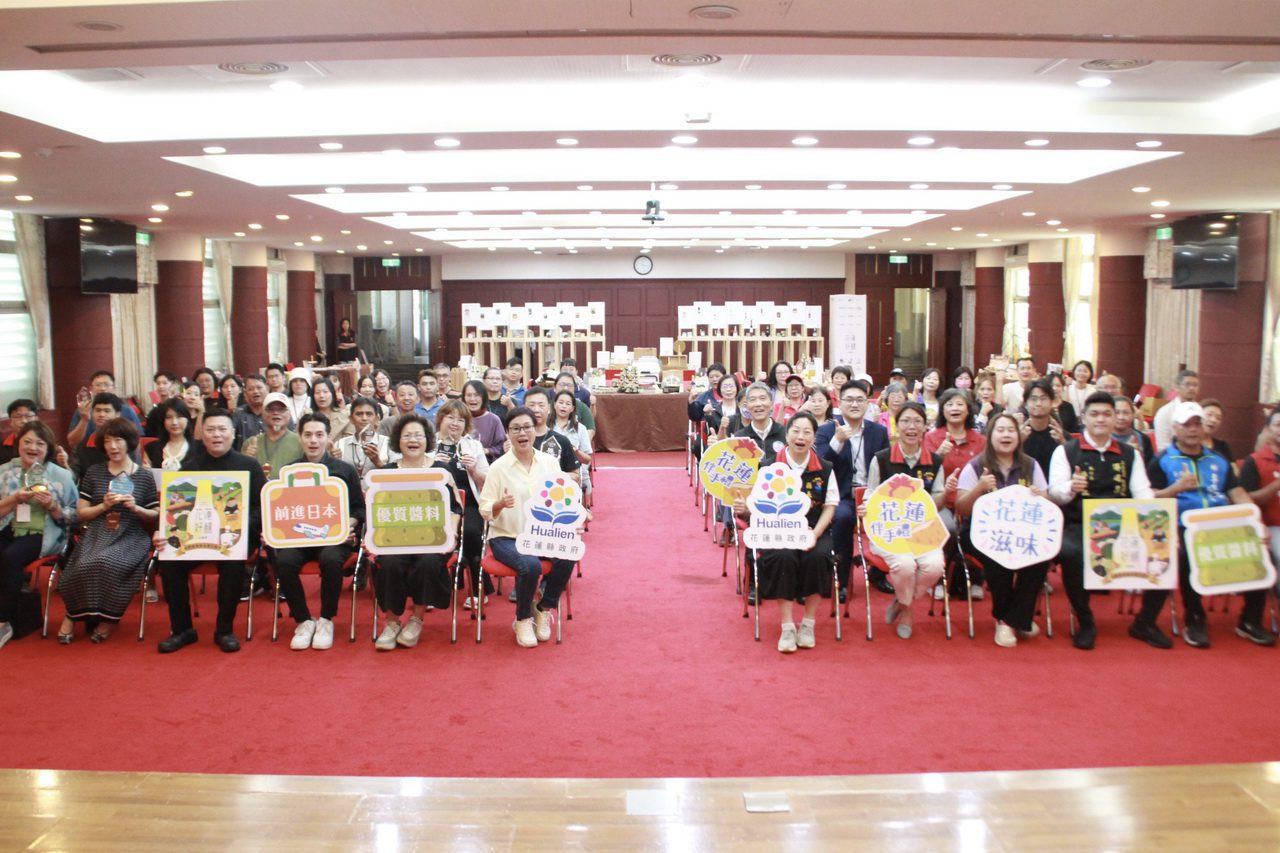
(1017, 334)
(215, 344)
(1080, 271)
(17, 336)
(277, 279)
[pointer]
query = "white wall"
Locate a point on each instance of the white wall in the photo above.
(762, 263)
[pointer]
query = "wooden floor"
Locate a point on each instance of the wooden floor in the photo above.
(1205, 808)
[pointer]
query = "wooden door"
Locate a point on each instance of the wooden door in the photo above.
(938, 334)
(880, 332)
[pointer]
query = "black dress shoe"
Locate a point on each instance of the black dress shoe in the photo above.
(1085, 637)
(751, 596)
(1148, 633)
(844, 594)
(1255, 633)
(1195, 635)
(883, 585)
(227, 642)
(173, 642)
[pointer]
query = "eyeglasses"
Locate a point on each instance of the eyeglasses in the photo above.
(854, 401)
(520, 429)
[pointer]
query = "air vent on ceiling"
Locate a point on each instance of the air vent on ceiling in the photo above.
(685, 60)
(713, 12)
(254, 69)
(99, 26)
(1113, 66)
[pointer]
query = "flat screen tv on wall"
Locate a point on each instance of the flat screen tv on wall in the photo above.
(1205, 250)
(108, 256)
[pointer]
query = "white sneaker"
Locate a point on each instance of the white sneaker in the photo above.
(937, 593)
(1034, 632)
(153, 597)
(302, 635)
(409, 634)
(977, 592)
(805, 638)
(470, 603)
(387, 639)
(324, 634)
(6, 633)
(1005, 637)
(787, 642)
(525, 635)
(542, 625)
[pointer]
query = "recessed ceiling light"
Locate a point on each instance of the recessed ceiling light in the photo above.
(342, 251)
(1149, 143)
(362, 247)
(566, 140)
(1053, 222)
(996, 240)
(214, 149)
(1141, 189)
(298, 243)
(752, 187)
(1028, 213)
(1094, 82)
(331, 146)
(919, 212)
(155, 219)
(788, 213)
(1063, 230)
(837, 186)
(1001, 186)
(239, 233)
(1159, 203)
(981, 234)
(853, 212)
(906, 239)
(585, 187)
(537, 251)
(283, 217)
(920, 140)
(184, 193)
(528, 213)
(254, 226)
(1157, 216)
(334, 190)
(388, 242)
(919, 186)
(344, 231)
(931, 244)
(645, 250)
(668, 187)
(595, 213)
(1036, 143)
(10, 155)
(684, 139)
(417, 188)
(419, 249)
(159, 208)
(726, 213)
(447, 142)
(805, 140)
(24, 198)
(951, 248)
(286, 86)
(499, 189)
(956, 228)
(316, 238)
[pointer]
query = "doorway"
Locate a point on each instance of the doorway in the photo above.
(897, 331)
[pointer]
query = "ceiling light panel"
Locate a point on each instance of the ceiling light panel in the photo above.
(626, 220)
(643, 232)
(635, 200)
(981, 166)
(632, 244)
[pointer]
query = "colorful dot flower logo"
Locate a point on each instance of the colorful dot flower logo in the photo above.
(559, 501)
(779, 492)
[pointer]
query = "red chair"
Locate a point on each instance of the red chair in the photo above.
(491, 564)
(740, 525)
(204, 570)
(53, 563)
(453, 565)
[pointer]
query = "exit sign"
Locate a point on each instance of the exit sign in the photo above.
(898, 259)
(391, 262)
(1164, 232)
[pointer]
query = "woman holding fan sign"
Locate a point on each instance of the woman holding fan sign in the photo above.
(1001, 464)
(800, 574)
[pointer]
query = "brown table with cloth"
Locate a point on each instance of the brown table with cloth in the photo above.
(628, 423)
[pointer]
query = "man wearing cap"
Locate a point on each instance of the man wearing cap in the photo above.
(1199, 477)
(1187, 382)
(278, 446)
(1094, 465)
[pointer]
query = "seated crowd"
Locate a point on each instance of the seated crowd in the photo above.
(97, 503)
(1063, 437)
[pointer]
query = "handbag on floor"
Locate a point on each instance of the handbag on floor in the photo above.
(27, 616)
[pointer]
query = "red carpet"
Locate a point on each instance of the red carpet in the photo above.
(658, 676)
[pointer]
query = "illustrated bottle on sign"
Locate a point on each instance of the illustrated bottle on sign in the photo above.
(202, 522)
(1129, 550)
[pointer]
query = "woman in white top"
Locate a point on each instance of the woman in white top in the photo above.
(324, 399)
(566, 423)
(1082, 386)
(169, 452)
(299, 393)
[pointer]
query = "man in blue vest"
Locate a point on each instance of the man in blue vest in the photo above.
(1199, 478)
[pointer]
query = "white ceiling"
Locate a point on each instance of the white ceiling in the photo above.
(112, 121)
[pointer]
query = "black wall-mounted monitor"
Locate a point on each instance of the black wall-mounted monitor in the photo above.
(108, 256)
(1205, 251)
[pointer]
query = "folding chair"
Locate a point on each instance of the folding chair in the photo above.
(53, 563)
(491, 564)
(453, 565)
(256, 558)
(312, 567)
(835, 592)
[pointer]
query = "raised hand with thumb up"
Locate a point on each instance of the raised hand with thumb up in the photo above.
(988, 480)
(507, 501)
(1079, 482)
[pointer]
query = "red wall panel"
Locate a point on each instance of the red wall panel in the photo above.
(1122, 318)
(1046, 312)
(180, 311)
